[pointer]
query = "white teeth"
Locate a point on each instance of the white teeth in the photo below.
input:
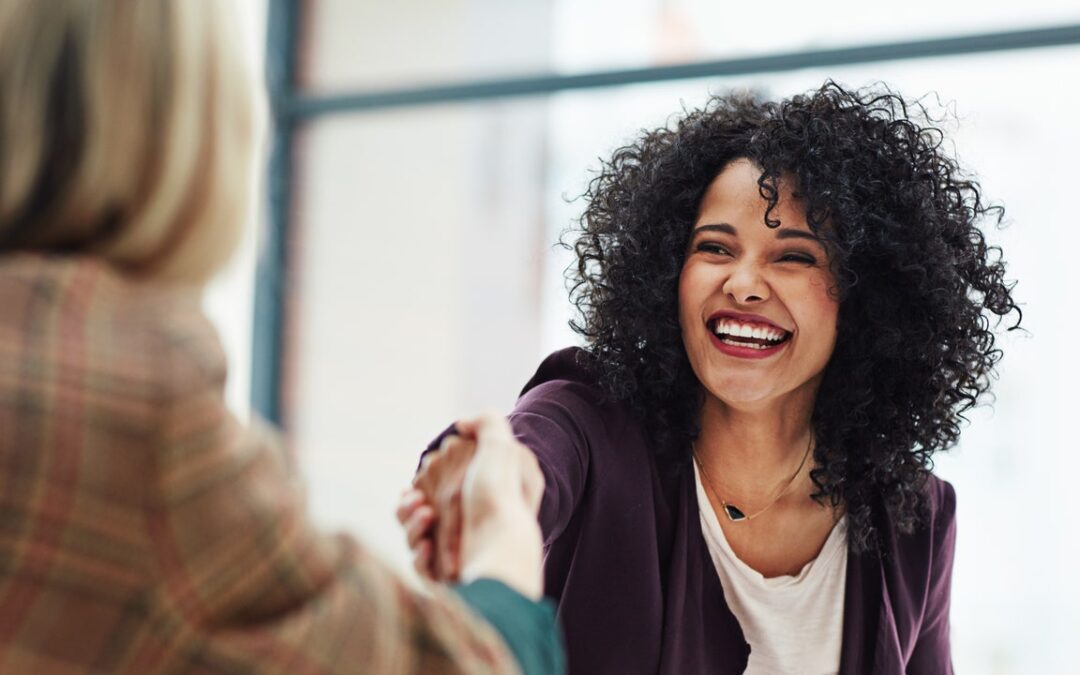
(749, 345)
(733, 328)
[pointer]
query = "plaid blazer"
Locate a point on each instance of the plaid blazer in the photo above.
(144, 530)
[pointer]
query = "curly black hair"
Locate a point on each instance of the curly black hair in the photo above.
(917, 281)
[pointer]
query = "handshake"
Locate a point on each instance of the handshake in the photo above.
(472, 509)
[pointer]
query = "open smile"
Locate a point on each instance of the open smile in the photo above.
(745, 338)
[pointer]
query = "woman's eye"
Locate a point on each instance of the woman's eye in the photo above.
(712, 247)
(798, 258)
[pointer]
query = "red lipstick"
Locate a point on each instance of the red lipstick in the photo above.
(741, 344)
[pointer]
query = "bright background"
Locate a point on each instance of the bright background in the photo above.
(428, 287)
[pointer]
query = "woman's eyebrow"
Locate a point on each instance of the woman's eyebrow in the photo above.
(781, 233)
(716, 227)
(788, 233)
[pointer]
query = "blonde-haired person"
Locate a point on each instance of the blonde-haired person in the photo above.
(142, 528)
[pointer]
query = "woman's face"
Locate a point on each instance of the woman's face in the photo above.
(756, 306)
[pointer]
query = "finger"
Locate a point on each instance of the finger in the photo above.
(429, 459)
(470, 426)
(454, 448)
(457, 455)
(486, 428)
(449, 531)
(453, 545)
(428, 465)
(419, 525)
(410, 500)
(422, 560)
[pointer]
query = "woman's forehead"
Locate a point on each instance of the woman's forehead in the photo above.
(738, 185)
(734, 199)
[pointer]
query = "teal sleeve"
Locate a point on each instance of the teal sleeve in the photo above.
(528, 627)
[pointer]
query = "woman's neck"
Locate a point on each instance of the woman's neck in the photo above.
(750, 451)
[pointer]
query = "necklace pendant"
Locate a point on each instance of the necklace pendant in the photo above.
(733, 513)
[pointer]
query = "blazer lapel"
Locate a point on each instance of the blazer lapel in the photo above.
(862, 613)
(888, 659)
(870, 638)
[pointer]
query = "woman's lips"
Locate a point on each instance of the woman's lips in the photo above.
(742, 318)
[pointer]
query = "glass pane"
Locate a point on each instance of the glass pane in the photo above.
(378, 45)
(420, 262)
(351, 45)
(660, 32)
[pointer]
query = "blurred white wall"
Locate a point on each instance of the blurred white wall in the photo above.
(419, 255)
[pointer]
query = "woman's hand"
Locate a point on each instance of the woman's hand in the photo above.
(472, 511)
(417, 517)
(431, 511)
(500, 500)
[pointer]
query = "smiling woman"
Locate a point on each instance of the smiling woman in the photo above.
(788, 309)
(757, 311)
(735, 265)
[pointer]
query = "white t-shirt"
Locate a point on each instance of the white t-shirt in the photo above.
(794, 624)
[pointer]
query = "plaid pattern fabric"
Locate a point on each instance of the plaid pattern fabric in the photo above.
(144, 530)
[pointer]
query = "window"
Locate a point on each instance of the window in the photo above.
(424, 283)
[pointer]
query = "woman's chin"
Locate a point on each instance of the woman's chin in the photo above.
(755, 394)
(743, 397)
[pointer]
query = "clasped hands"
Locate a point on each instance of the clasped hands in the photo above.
(472, 509)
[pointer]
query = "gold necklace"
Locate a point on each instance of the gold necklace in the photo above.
(734, 513)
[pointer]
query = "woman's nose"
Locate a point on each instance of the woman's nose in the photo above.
(746, 285)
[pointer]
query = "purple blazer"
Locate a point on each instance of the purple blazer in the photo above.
(628, 566)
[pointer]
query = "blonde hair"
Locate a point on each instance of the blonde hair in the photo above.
(127, 130)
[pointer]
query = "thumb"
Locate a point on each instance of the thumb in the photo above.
(506, 461)
(488, 428)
